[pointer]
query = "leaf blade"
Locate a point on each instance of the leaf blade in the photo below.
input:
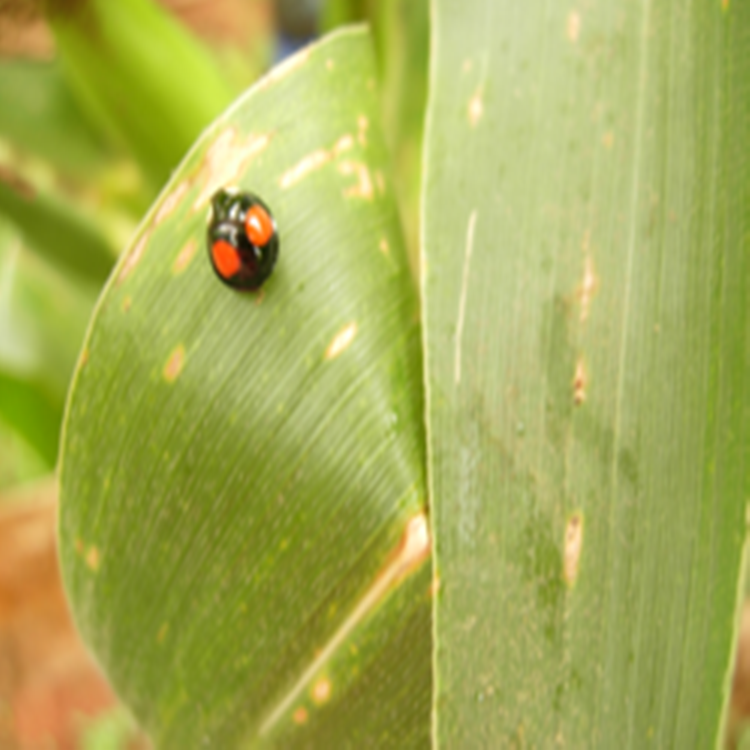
(586, 298)
(282, 434)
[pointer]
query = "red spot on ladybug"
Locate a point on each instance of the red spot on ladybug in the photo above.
(242, 239)
(226, 259)
(258, 225)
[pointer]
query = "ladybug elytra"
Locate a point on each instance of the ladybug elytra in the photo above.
(243, 243)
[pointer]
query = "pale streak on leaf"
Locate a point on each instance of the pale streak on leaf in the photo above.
(226, 160)
(363, 187)
(462, 299)
(412, 550)
(580, 383)
(341, 341)
(573, 548)
(363, 124)
(186, 255)
(174, 365)
(93, 559)
(134, 257)
(283, 69)
(588, 288)
(476, 104)
(315, 160)
(171, 201)
(574, 26)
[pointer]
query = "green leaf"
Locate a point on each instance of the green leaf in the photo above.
(242, 524)
(42, 321)
(402, 34)
(57, 228)
(587, 313)
(141, 77)
(39, 115)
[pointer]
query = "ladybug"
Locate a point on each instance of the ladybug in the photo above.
(243, 243)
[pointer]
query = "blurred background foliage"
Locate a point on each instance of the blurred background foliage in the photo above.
(99, 101)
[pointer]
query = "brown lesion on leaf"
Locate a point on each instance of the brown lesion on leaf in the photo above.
(580, 383)
(184, 257)
(175, 364)
(226, 159)
(573, 548)
(134, 256)
(300, 716)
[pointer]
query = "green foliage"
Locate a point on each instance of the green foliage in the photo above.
(288, 528)
(244, 499)
(587, 313)
(153, 98)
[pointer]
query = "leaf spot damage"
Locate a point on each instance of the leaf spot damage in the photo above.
(330, 65)
(321, 691)
(608, 140)
(573, 547)
(185, 256)
(93, 560)
(171, 201)
(134, 257)
(315, 161)
(383, 246)
(362, 124)
(363, 187)
(225, 160)
(175, 364)
(476, 108)
(587, 288)
(413, 548)
(580, 383)
(462, 299)
(573, 26)
(341, 341)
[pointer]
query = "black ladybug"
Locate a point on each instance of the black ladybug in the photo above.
(243, 243)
